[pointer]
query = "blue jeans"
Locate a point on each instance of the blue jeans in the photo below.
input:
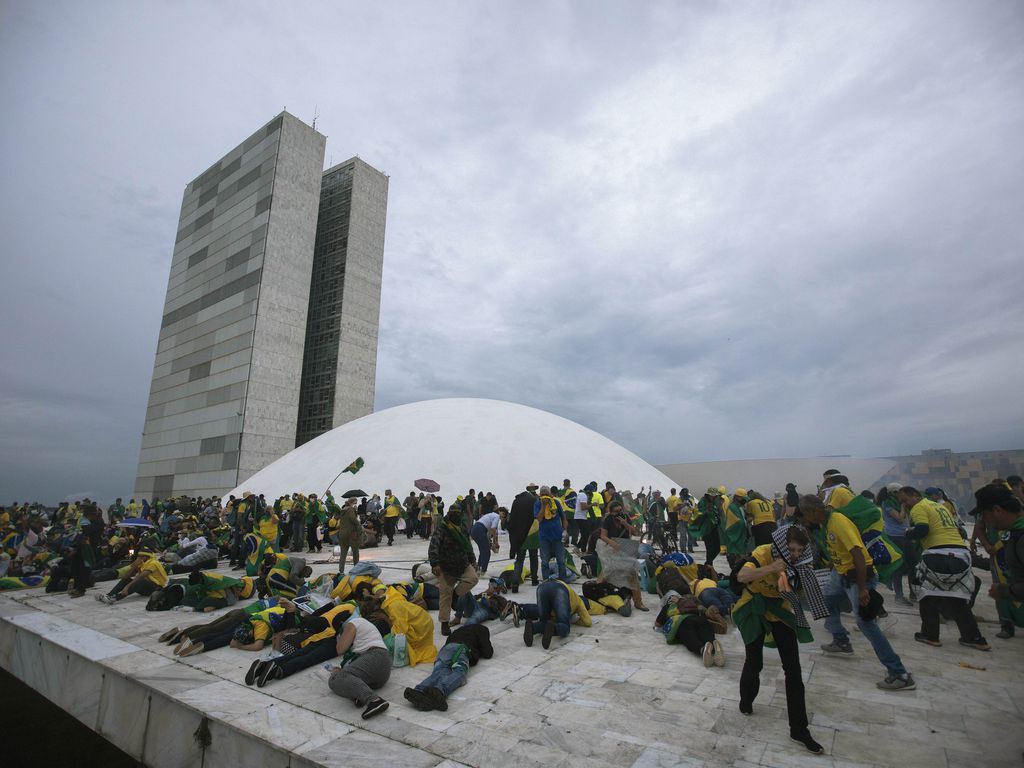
(479, 534)
(718, 598)
(552, 548)
(686, 541)
(450, 669)
(834, 593)
(472, 610)
(553, 598)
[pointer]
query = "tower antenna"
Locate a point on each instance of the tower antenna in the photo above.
(316, 114)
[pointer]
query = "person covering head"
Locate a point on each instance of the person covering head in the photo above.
(996, 502)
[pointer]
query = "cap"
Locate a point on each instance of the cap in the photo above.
(931, 490)
(711, 491)
(740, 492)
(893, 487)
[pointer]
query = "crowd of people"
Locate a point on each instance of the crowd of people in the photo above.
(790, 559)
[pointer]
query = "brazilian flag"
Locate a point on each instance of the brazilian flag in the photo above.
(867, 516)
(354, 467)
(532, 540)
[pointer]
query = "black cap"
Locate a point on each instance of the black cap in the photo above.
(994, 496)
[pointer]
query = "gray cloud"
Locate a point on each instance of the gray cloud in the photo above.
(708, 232)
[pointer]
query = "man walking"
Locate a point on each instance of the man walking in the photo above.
(451, 559)
(853, 577)
(518, 524)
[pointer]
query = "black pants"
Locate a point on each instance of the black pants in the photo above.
(789, 653)
(144, 587)
(534, 566)
(389, 528)
(695, 632)
(311, 655)
(312, 540)
(713, 543)
(763, 533)
(952, 608)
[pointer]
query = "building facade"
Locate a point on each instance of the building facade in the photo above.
(224, 399)
(340, 363)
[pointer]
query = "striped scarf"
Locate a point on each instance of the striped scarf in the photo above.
(801, 572)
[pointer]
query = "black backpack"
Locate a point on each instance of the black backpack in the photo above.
(735, 585)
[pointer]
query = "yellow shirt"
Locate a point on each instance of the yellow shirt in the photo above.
(840, 497)
(576, 606)
(841, 538)
(672, 502)
(154, 571)
(701, 584)
(391, 507)
(261, 627)
(760, 511)
(942, 530)
(766, 585)
(268, 527)
(287, 504)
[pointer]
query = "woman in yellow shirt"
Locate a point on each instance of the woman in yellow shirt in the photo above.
(764, 617)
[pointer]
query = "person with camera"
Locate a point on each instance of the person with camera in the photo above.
(618, 561)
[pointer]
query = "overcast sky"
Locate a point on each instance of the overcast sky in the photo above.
(706, 230)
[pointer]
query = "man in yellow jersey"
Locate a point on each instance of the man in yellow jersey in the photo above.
(944, 571)
(761, 514)
(854, 577)
(835, 489)
(392, 512)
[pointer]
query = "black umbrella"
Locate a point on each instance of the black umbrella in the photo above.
(355, 494)
(427, 486)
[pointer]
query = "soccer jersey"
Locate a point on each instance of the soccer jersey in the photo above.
(942, 528)
(841, 538)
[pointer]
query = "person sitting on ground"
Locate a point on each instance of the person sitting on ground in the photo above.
(365, 666)
(145, 577)
(463, 649)
(407, 618)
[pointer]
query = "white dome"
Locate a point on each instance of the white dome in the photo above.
(462, 443)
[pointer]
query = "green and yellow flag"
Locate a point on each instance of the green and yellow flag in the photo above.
(354, 467)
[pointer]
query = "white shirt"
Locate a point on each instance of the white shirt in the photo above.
(367, 636)
(198, 541)
(492, 520)
(583, 497)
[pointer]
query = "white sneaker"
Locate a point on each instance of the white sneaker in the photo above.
(708, 654)
(719, 654)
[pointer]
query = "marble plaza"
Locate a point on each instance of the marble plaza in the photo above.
(611, 695)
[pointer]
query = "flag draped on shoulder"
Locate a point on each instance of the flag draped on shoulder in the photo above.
(354, 467)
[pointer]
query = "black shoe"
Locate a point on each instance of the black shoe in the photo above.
(254, 671)
(375, 707)
(549, 631)
(419, 699)
(534, 582)
(269, 672)
(812, 746)
(438, 699)
(528, 633)
(445, 629)
(746, 709)
(515, 589)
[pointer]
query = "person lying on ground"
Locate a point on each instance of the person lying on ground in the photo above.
(463, 649)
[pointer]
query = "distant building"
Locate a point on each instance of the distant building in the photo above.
(958, 474)
(229, 368)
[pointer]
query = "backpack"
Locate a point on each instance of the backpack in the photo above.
(735, 585)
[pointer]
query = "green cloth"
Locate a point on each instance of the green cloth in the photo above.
(355, 466)
(459, 534)
(749, 617)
